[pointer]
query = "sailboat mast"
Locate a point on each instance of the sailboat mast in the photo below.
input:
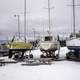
(49, 16)
(19, 25)
(73, 16)
(25, 20)
(74, 21)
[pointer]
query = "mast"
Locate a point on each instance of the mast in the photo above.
(74, 21)
(25, 20)
(73, 16)
(19, 25)
(49, 17)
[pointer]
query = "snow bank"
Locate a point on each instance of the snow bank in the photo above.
(62, 53)
(36, 53)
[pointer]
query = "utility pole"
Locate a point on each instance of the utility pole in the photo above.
(18, 21)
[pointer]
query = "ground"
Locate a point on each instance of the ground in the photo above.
(58, 70)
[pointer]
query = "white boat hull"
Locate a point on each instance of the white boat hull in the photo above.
(74, 44)
(49, 45)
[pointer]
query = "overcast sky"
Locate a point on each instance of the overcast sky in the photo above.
(61, 15)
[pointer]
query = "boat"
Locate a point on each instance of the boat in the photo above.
(49, 44)
(73, 43)
(18, 46)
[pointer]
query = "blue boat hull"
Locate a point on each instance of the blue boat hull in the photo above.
(75, 48)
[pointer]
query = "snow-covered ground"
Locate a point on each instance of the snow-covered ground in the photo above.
(58, 70)
(62, 53)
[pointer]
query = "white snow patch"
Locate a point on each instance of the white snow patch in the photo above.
(36, 53)
(62, 53)
(59, 70)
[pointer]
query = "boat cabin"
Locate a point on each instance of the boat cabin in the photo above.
(48, 38)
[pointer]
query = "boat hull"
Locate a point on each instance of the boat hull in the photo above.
(75, 48)
(49, 46)
(73, 44)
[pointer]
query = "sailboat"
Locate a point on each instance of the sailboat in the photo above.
(18, 45)
(49, 45)
(73, 43)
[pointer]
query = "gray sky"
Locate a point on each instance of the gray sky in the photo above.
(61, 15)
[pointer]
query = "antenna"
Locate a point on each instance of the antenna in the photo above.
(74, 23)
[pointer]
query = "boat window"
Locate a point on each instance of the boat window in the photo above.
(48, 38)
